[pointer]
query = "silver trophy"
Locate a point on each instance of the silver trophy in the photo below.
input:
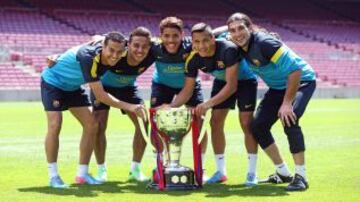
(173, 125)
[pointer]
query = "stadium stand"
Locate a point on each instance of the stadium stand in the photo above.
(32, 29)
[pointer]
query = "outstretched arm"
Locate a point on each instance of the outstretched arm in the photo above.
(110, 100)
(219, 30)
(185, 94)
(229, 88)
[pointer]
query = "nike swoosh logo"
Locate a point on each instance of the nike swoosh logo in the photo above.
(248, 106)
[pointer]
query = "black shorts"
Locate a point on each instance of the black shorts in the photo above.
(245, 95)
(55, 99)
(127, 94)
(162, 94)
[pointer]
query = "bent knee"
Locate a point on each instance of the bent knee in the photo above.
(92, 125)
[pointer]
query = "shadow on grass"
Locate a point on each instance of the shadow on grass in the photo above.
(79, 190)
(115, 187)
(224, 190)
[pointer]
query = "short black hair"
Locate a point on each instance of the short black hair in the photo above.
(114, 36)
(140, 31)
(201, 27)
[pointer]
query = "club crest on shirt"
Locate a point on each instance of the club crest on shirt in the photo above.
(220, 64)
(256, 62)
(56, 103)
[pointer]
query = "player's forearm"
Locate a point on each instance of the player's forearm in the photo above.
(110, 100)
(185, 94)
(229, 88)
(107, 98)
(219, 30)
(292, 86)
(182, 97)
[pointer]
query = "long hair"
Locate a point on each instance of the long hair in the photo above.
(249, 24)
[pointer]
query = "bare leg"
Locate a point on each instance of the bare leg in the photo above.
(299, 158)
(273, 152)
(250, 143)
(54, 120)
(101, 117)
(90, 128)
(139, 144)
(217, 130)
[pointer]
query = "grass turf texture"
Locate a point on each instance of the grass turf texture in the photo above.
(331, 128)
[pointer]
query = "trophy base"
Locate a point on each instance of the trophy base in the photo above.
(180, 178)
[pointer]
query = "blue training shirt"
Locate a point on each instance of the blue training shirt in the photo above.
(124, 74)
(273, 61)
(77, 66)
(169, 68)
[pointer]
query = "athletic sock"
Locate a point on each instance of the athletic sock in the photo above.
(220, 163)
(300, 169)
(134, 165)
(282, 169)
(102, 166)
(252, 160)
(83, 170)
(53, 170)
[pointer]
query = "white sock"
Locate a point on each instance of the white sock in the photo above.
(220, 163)
(300, 169)
(252, 160)
(53, 170)
(282, 169)
(134, 165)
(102, 166)
(83, 170)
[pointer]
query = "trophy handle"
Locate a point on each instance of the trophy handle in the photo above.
(144, 128)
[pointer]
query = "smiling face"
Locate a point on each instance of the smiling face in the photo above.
(240, 33)
(171, 38)
(203, 43)
(111, 52)
(138, 47)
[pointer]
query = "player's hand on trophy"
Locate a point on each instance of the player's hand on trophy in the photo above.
(201, 109)
(164, 106)
(51, 60)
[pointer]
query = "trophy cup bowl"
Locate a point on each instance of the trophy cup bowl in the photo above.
(173, 125)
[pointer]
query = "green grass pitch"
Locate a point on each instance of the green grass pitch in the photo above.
(332, 135)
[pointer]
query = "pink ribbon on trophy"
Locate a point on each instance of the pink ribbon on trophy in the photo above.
(196, 149)
(159, 161)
